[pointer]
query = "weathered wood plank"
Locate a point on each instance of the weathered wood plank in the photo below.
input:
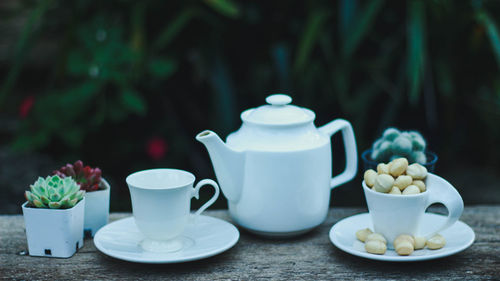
(310, 256)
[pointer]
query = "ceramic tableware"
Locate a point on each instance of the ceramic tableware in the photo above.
(161, 205)
(276, 170)
(458, 238)
(393, 215)
(207, 237)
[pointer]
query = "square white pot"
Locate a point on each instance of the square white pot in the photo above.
(96, 209)
(54, 232)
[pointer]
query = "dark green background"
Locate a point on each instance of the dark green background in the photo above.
(107, 77)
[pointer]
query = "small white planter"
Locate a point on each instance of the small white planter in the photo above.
(54, 232)
(96, 209)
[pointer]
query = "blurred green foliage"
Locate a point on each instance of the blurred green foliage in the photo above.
(126, 71)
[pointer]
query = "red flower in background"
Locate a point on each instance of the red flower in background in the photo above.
(156, 148)
(26, 106)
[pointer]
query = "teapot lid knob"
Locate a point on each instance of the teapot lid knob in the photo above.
(278, 99)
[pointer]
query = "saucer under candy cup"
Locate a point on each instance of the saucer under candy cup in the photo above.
(161, 200)
(393, 215)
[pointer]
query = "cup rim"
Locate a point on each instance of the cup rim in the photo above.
(366, 188)
(130, 177)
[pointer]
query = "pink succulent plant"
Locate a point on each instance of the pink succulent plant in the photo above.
(88, 178)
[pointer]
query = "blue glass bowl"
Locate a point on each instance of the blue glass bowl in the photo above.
(368, 163)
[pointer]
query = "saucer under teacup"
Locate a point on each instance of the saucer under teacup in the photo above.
(204, 237)
(458, 238)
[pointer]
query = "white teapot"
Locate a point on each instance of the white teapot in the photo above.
(276, 170)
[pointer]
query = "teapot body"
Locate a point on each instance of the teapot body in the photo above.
(284, 192)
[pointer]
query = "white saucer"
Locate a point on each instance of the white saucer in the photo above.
(458, 238)
(207, 237)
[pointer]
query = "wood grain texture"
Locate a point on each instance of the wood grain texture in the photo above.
(311, 256)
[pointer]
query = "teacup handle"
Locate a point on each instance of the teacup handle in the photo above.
(443, 192)
(351, 154)
(196, 194)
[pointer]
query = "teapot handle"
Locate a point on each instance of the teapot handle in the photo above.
(351, 153)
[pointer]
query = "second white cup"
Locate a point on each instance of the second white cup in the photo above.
(393, 215)
(161, 201)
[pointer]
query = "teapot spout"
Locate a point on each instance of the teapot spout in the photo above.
(228, 164)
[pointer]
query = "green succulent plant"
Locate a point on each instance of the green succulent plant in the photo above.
(54, 192)
(395, 144)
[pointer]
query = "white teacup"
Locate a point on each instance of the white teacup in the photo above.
(161, 200)
(393, 215)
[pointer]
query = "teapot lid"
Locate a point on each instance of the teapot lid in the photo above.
(278, 111)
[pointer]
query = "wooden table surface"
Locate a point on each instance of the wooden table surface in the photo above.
(311, 256)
